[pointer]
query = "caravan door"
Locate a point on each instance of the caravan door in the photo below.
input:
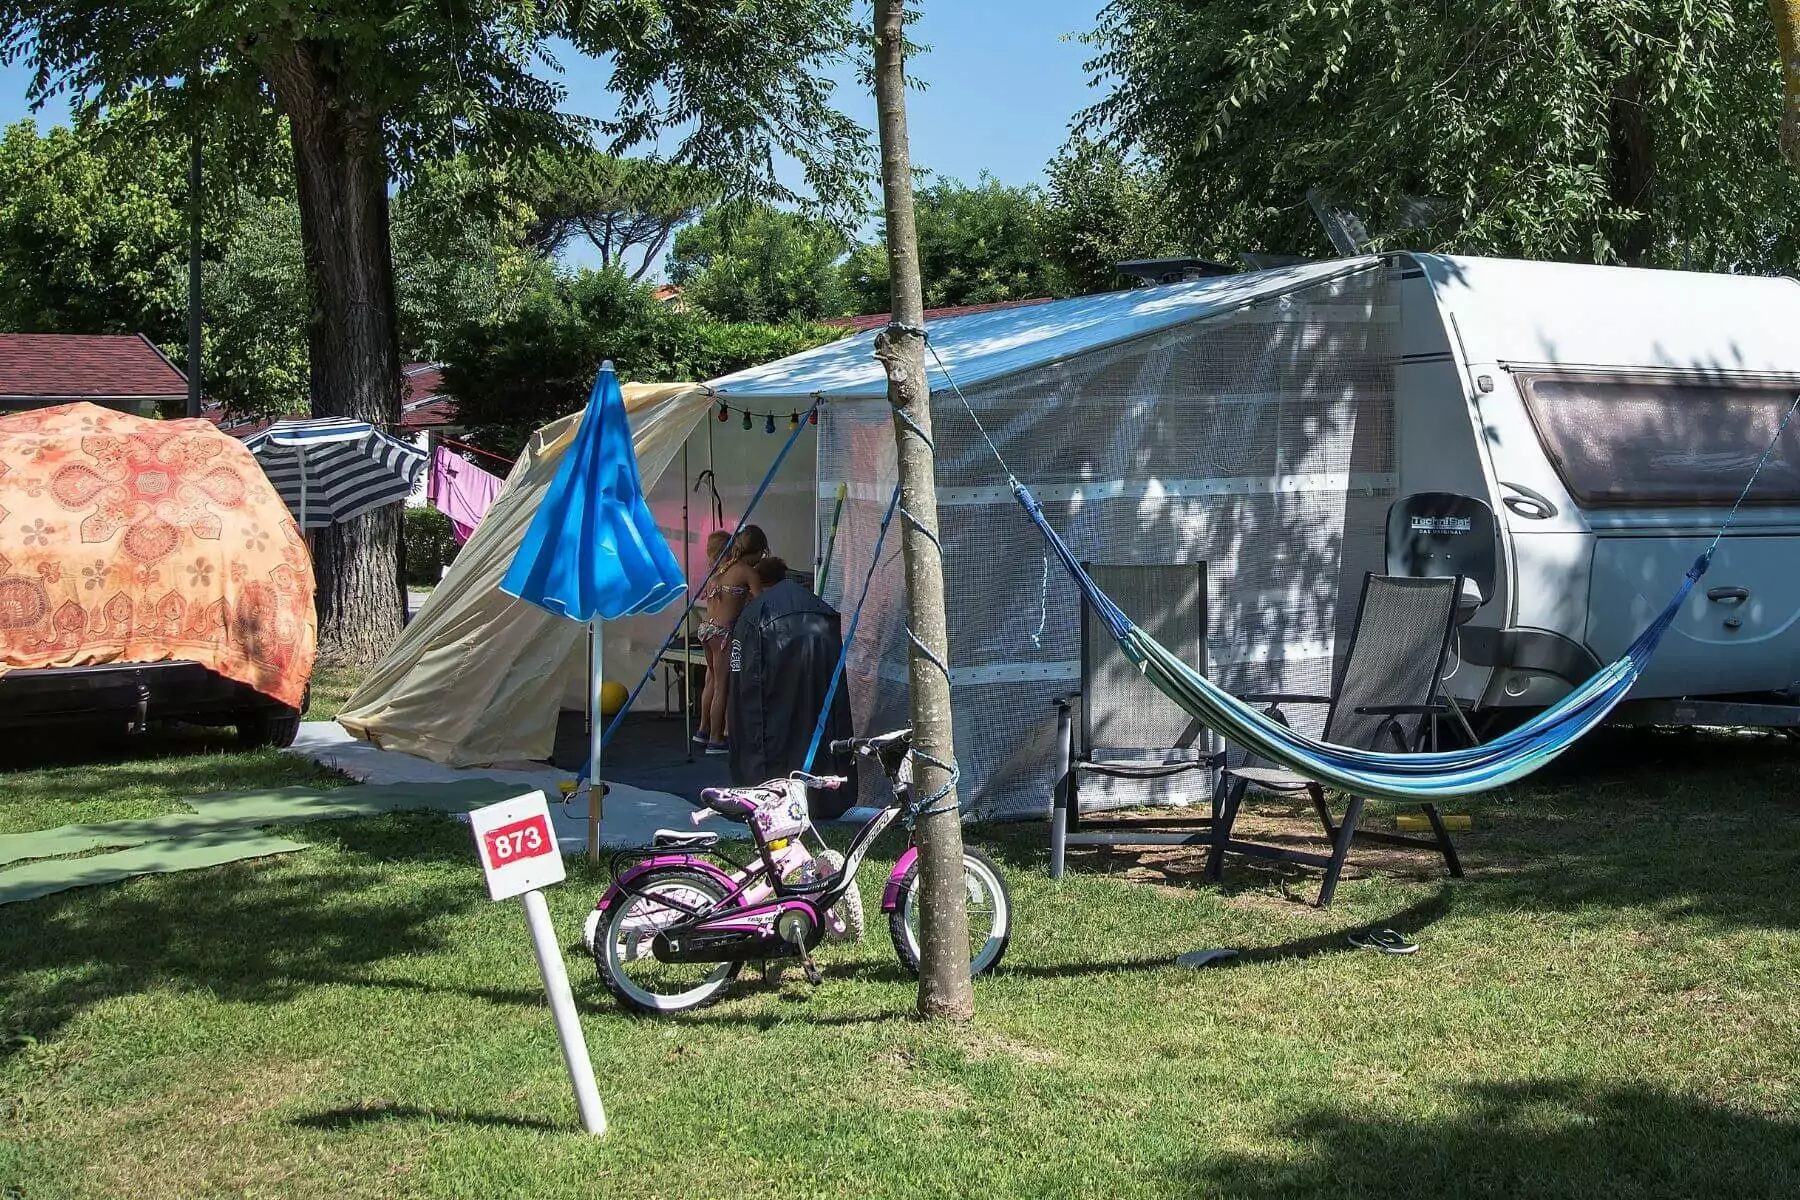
(1655, 462)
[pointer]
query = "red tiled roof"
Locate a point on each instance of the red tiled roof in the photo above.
(863, 324)
(422, 405)
(85, 366)
(435, 413)
(422, 380)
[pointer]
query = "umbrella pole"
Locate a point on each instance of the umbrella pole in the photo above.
(687, 621)
(596, 731)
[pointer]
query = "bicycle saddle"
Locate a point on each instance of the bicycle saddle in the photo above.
(676, 839)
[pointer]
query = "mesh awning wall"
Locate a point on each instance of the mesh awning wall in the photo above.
(1258, 439)
(480, 677)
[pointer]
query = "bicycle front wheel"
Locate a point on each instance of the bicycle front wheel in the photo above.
(622, 946)
(989, 907)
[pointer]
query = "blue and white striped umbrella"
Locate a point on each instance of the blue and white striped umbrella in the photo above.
(330, 469)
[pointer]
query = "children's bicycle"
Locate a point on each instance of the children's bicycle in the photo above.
(674, 929)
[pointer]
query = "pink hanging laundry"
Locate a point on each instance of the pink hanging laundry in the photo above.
(461, 491)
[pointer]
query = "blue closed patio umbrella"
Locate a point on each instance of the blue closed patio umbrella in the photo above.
(593, 552)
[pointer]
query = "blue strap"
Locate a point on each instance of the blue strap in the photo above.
(656, 659)
(837, 672)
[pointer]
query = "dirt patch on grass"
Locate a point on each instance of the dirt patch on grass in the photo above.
(900, 1083)
(982, 1044)
(1276, 823)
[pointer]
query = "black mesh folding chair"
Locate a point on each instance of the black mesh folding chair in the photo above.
(1386, 699)
(1120, 728)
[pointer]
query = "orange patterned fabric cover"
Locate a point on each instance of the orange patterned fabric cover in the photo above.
(127, 540)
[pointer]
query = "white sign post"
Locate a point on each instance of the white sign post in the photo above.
(518, 851)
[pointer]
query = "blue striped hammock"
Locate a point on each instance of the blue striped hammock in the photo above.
(1372, 773)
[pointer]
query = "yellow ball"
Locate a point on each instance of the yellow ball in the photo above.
(612, 698)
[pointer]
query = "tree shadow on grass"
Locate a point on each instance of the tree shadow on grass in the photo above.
(1548, 1139)
(56, 747)
(1693, 823)
(257, 932)
(354, 1116)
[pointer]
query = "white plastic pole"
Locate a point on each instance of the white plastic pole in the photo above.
(596, 730)
(562, 1007)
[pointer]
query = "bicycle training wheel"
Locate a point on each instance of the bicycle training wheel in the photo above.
(990, 914)
(622, 948)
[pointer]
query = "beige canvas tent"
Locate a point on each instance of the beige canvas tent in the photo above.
(480, 677)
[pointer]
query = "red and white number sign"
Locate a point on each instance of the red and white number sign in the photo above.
(517, 844)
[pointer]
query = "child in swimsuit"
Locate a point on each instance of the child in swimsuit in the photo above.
(723, 604)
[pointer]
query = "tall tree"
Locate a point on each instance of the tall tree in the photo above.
(977, 245)
(1104, 208)
(460, 256)
(756, 262)
(256, 306)
(92, 240)
(623, 208)
(1786, 15)
(372, 90)
(516, 373)
(1635, 131)
(944, 987)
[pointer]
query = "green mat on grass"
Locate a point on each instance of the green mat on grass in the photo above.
(246, 810)
(222, 830)
(205, 850)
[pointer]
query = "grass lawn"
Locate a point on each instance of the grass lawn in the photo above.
(1606, 1007)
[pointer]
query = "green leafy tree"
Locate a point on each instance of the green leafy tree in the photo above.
(513, 375)
(256, 305)
(622, 207)
(1636, 131)
(94, 239)
(977, 245)
(1104, 209)
(460, 256)
(371, 91)
(755, 262)
(91, 240)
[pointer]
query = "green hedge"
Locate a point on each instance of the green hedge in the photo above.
(430, 546)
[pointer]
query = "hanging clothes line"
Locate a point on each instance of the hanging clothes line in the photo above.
(447, 441)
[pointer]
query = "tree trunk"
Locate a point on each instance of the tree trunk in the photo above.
(1786, 15)
(341, 177)
(1633, 156)
(944, 988)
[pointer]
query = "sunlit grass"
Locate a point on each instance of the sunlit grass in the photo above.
(1605, 1007)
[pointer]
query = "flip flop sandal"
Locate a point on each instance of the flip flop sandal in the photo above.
(1195, 959)
(1388, 941)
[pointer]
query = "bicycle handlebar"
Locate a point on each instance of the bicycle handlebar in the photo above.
(873, 745)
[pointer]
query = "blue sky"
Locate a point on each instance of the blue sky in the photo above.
(1004, 80)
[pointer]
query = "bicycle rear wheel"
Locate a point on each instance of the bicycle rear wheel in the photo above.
(622, 946)
(989, 907)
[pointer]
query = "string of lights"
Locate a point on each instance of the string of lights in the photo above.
(750, 417)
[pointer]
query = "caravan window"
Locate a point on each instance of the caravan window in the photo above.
(1622, 440)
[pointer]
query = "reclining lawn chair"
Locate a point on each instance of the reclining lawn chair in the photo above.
(1386, 699)
(1119, 727)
